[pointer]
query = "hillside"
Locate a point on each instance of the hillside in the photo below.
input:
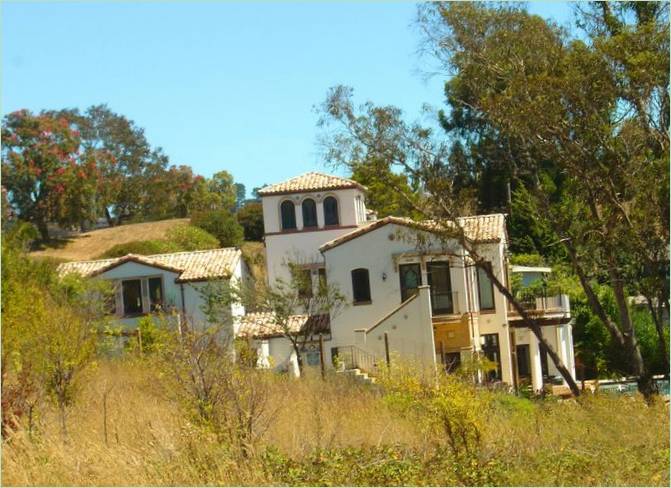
(90, 245)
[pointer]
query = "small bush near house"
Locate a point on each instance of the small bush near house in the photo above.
(250, 217)
(192, 238)
(145, 248)
(221, 224)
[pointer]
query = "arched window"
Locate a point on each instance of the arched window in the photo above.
(360, 285)
(331, 211)
(309, 213)
(288, 211)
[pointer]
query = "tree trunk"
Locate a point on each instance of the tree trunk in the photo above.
(537, 331)
(656, 313)
(43, 229)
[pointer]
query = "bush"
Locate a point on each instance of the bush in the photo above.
(180, 238)
(144, 248)
(221, 224)
(191, 238)
(250, 217)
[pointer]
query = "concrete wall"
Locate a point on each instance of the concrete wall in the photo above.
(409, 332)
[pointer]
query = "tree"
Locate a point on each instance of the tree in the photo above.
(597, 110)
(221, 224)
(240, 195)
(222, 185)
(284, 300)
(250, 217)
(378, 178)
(45, 173)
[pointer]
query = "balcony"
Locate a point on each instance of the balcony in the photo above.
(550, 307)
(445, 303)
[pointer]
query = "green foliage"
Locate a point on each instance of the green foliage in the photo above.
(191, 238)
(250, 217)
(221, 224)
(156, 246)
(388, 193)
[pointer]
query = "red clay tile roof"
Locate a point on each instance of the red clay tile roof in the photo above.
(190, 265)
(310, 182)
(263, 325)
(478, 228)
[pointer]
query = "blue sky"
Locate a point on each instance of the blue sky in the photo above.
(219, 85)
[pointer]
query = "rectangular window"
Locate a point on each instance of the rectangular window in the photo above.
(360, 286)
(523, 361)
(411, 279)
(132, 297)
(155, 294)
(441, 287)
(485, 289)
(304, 277)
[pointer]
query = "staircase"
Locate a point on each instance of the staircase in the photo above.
(357, 363)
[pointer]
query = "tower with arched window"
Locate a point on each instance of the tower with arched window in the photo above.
(304, 212)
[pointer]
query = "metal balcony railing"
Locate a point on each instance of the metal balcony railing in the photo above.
(445, 303)
(552, 303)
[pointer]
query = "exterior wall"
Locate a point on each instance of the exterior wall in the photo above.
(409, 332)
(278, 353)
(302, 246)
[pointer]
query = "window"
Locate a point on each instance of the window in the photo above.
(312, 358)
(485, 289)
(441, 288)
(523, 362)
(492, 352)
(288, 211)
(411, 279)
(155, 294)
(331, 211)
(132, 297)
(360, 286)
(304, 283)
(309, 213)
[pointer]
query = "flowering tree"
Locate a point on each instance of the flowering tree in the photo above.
(46, 175)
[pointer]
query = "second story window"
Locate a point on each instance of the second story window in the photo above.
(331, 211)
(309, 213)
(288, 211)
(485, 289)
(411, 279)
(360, 286)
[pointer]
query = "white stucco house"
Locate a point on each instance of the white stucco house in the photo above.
(170, 282)
(421, 296)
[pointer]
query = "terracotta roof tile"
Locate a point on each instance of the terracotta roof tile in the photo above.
(262, 324)
(190, 265)
(310, 182)
(478, 228)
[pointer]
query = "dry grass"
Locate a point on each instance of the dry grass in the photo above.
(333, 432)
(90, 245)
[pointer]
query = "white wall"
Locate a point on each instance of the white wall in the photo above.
(348, 213)
(409, 332)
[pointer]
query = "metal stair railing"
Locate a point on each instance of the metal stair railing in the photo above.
(354, 357)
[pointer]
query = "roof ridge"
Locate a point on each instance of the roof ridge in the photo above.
(234, 248)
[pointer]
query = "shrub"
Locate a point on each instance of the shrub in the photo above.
(250, 217)
(221, 224)
(145, 248)
(191, 238)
